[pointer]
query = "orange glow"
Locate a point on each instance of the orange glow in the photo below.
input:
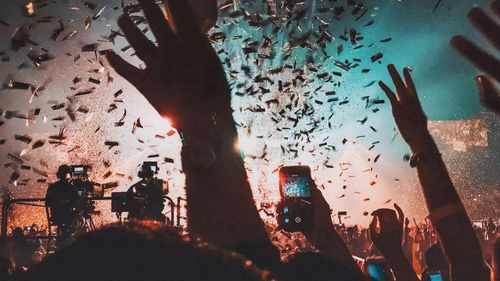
(168, 124)
(167, 121)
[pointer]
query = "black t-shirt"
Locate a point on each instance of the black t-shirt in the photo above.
(146, 199)
(61, 199)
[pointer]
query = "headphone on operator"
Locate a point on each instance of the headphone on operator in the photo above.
(62, 171)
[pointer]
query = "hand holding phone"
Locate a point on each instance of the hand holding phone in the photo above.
(295, 210)
(432, 275)
(377, 269)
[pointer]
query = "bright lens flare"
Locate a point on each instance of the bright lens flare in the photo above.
(167, 124)
(246, 144)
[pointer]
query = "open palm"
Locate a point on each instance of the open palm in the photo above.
(183, 78)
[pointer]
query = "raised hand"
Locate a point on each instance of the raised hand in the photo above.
(386, 232)
(322, 214)
(183, 78)
(406, 108)
(323, 235)
(185, 81)
(490, 97)
(386, 229)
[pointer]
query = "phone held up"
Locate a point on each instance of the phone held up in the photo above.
(295, 210)
(433, 275)
(377, 269)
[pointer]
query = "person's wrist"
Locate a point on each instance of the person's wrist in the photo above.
(392, 252)
(322, 235)
(422, 144)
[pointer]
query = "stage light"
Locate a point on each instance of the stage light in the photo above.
(247, 144)
(167, 122)
(169, 127)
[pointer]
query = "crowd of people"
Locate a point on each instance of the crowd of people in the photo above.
(225, 238)
(420, 245)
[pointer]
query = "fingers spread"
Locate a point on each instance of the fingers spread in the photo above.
(398, 82)
(144, 48)
(156, 20)
(124, 69)
(480, 58)
(388, 92)
(182, 17)
(489, 95)
(487, 26)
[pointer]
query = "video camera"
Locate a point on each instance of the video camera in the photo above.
(80, 180)
(79, 170)
(148, 169)
(120, 202)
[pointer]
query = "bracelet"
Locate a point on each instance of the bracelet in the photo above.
(445, 211)
(415, 159)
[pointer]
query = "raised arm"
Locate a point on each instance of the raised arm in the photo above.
(490, 97)
(388, 240)
(324, 237)
(447, 212)
(185, 81)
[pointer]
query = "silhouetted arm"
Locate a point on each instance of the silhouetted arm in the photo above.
(325, 238)
(184, 80)
(389, 240)
(447, 212)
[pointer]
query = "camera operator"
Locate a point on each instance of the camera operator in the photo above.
(88, 191)
(146, 196)
(61, 199)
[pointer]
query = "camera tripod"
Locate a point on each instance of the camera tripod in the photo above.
(84, 224)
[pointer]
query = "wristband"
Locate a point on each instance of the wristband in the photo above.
(415, 159)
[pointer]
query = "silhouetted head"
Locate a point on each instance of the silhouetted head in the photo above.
(5, 267)
(132, 252)
(436, 261)
(63, 171)
(17, 232)
(316, 267)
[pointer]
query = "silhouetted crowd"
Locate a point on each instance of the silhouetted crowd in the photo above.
(420, 246)
(225, 238)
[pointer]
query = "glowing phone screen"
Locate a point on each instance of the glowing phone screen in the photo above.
(296, 186)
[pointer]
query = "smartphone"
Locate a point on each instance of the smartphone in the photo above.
(295, 210)
(79, 170)
(377, 269)
(434, 275)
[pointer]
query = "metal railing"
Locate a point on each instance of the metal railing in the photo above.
(174, 218)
